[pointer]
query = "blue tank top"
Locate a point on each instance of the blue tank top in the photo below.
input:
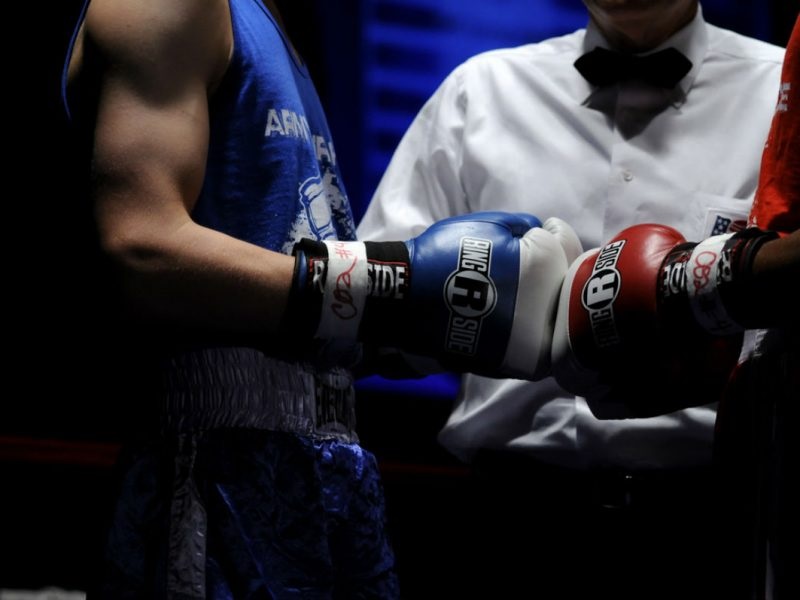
(272, 175)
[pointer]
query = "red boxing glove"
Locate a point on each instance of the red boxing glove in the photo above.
(649, 319)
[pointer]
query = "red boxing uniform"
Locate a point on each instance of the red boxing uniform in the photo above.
(777, 202)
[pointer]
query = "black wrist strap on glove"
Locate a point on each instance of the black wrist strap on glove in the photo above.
(390, 279)
(348, 290)
(304, 304)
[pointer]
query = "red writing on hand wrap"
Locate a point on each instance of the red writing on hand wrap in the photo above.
(343, 307)
(701, 270)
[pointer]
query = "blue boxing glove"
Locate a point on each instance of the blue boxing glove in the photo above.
(477, 292)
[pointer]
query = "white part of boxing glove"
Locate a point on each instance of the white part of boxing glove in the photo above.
(545, 256)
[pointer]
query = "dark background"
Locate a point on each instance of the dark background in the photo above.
(59, 423)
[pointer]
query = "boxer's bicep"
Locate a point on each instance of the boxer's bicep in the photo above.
(151, 135)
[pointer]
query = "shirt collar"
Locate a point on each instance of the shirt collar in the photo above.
(691, 40)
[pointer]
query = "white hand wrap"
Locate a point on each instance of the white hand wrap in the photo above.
(345, 291)
(707, 267)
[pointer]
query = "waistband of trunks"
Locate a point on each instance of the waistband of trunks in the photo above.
(212, 388)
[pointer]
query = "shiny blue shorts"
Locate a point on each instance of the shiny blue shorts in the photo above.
(249, 513)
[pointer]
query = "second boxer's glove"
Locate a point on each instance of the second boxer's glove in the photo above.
(651, 320)
(476, 293)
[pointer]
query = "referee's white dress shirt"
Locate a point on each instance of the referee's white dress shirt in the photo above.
(520, 130)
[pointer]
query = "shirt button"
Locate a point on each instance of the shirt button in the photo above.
(627, 176)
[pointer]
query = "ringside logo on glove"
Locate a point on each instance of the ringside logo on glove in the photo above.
(387, 279)
(599, 293)
(470, 294)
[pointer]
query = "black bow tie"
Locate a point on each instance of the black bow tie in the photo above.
(664, 68)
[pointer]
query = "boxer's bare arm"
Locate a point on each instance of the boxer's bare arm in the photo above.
(778, 257)
(776, 273)
(161, 61)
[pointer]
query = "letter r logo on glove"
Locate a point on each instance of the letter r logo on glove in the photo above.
(470, 293)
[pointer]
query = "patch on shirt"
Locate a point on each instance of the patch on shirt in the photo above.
(720, 221)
